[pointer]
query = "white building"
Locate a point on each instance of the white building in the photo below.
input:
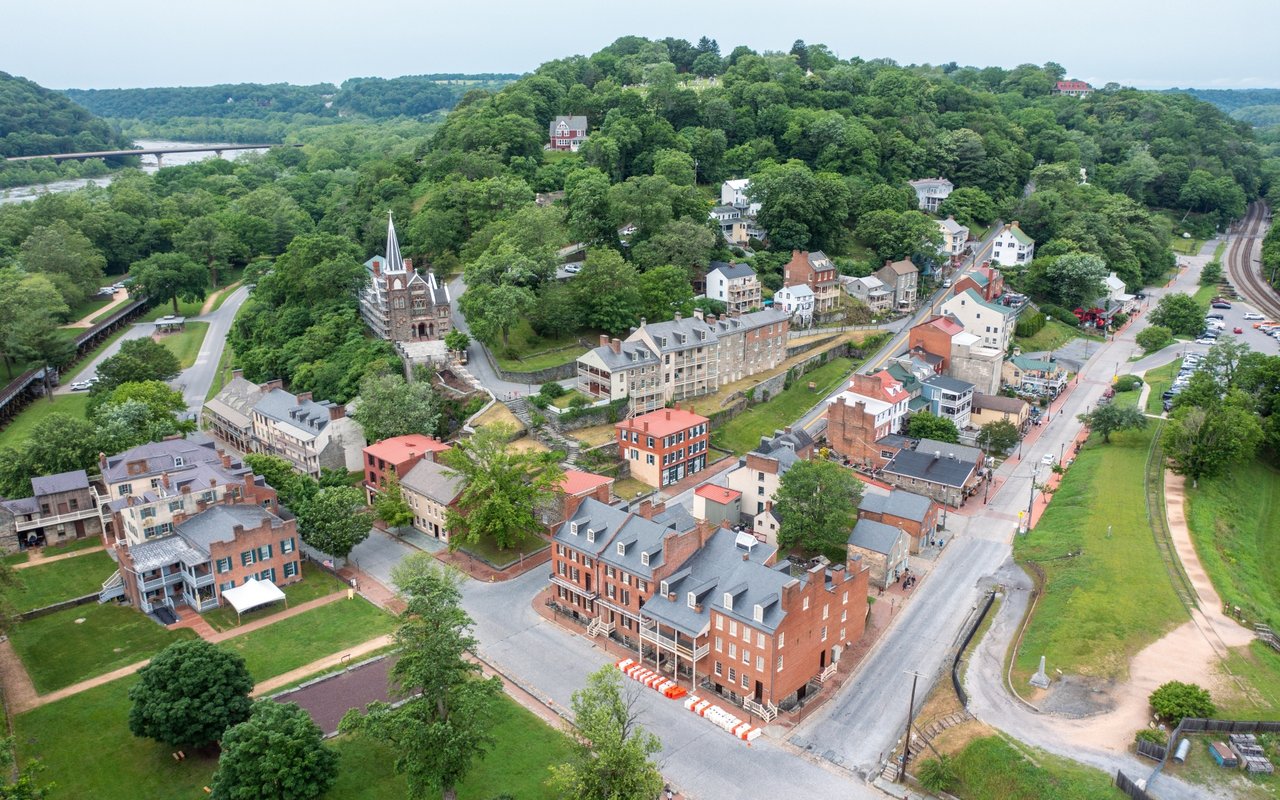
(735, 285)
(734, 193)
(954, 237)
(870, 290)
(1012, 247)
(992, 322)
(797, 301)
(930, 192)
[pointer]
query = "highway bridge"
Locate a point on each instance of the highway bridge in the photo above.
(158, 152)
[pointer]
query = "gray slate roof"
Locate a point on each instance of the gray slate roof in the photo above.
(634, 354)
(62, 482)
(236, 400)
(874, 536)
(945, 471)
(433, 480)
(574, 123)
(283, 406)
(160, 456)
(156, 553)
(731, 270)
(215, 524)
(962, 452)
(949, 384)
(898, 503)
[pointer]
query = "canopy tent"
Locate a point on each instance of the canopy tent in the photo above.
(252, 594)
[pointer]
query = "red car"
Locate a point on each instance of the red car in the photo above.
(1238, 330)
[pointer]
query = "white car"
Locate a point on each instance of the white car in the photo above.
(81, 386)
(1252, 315)
(1206, 340)
(573, 269)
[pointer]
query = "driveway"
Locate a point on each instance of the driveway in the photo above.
(195, 382)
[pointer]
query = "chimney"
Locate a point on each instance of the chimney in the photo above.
(698, 315)
(274, 383)
(337, 411)
(102, 462)
(710, 319)
(615, 345)
(768, 505)
(668, 413)
(164, 479)
(237, 531)
(644, 426)
(604, 339)
(679, 316)
(226, 460)
(408, 265)
(304, 397)
(937, 454)
(643, 322)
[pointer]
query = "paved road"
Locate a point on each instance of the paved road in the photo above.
(869, 714)
(195, 381)
(86, 371)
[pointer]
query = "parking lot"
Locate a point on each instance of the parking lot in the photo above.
(1234, 317)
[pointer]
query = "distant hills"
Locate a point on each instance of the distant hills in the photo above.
(1258, 107)
(35, 120)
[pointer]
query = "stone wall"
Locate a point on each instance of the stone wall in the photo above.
(539, 377)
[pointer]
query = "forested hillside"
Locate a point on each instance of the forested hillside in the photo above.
(35, 120)
(1258, 107)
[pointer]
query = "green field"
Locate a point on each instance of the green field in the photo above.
(743, 432)
(530, 352)
(1259, 667)
(1186, 247)
(57, 651)
(1160, 379)
(62, 580)
(1052, 336)
(186, 344)
(90, 304)
(15, 433)
(1102, 606)
(185, 309)
(297, 641)
(120, 765)
(315, 583)
(991, 768)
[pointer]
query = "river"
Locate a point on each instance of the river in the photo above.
(21, 194)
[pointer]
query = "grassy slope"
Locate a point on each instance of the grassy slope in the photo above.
(16, 432)
(529, 350)
(743, 432)
(1053, 335)
(186, 344)
(992, 769)
(120, 765)
(62, 580)
(1160, 379)
(1099, 608)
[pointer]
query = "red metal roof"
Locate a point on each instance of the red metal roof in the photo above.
(398, 449)
(577, 482)
(720, 494)
(664, 421)
(1073, 86)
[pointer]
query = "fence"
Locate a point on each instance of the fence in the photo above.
(1151, 750)
(1125, 784)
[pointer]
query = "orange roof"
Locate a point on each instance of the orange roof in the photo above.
(946, 325)
(398, 449)
(720, 494)
(664, 421)
(577, 482)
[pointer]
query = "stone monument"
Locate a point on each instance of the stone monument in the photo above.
(1040, 680)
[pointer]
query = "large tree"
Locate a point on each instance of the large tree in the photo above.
(391, 406)
(389, 505)
(925, 425)
(818, 504)
(66, 257)
(293, 489)
(26, 301)
(998, 436)
(1203, 442)
(1153, 338)
(139, 360)
(190, 694)
(607, 292)
(57, 443)
(612, 752)
(42, 345)
(664, 292)
(334, 520)
(969, 205)
(207, 241)
(895, 236)
(446, 724)
(20, 782)
(503, 489)
(1076, 278)
(801, 209)
(492, 311)
(170, 276)
(1113, 418)
(276, 754)
(1179, 313)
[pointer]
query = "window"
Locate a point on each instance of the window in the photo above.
(644, 559)
(719, 645)
(176, 505)
(222, 587)
(609, 591)
(733, 675)
(286, 546)
(733, 650)
(719, 623)
(782, 640)
(746, 656)
(759, 663)
(155, 483)
(826, 607)
(247, 558)
(622, 548)
(719, 669)
(733, 628)
(635, 454)
(845, 599)
(291, 569)
(760, 640)
(268, 575)
(745, 681)
(844, 616)
(649, 459)
(561, 565)
(728, 603)
(148, 512)
(760, 490)
(264, 552)
(746, 634)
(779, 663)
(223, 565)
(758, 613)
(178, 462)
(823, 637)
(805, 605)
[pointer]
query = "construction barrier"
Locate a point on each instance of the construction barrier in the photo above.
(722, 719)
(642, 674)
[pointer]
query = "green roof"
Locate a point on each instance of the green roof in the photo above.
(1022, 238)
(1027, 363)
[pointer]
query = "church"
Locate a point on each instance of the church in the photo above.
(399, 303)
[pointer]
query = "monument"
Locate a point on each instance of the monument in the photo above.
(1040, 680)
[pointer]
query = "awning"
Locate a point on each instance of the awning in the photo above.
(253, 594)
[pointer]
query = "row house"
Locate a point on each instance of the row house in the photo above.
(884, 549)
(955, 237)
(761, 474)
(1026, 373)
(796, 302)
(949, 398)
(947, 473)
(870, 290)
(987, 282)
(664, 446)
(735, 285)
(1012, 247)
(962, 355)
(264, 418)
(61, 508)
(993, 322)
(903, 279)
(817, 272)
(914, 514)
(665, 362)
(862, 418)
(391, 459)
(431, 490)
(930, 192)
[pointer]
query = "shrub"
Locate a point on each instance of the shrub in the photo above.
(539, 401)
(1119, 320)
(1211, 273)
(1153, 338)
(1030, 324)
(1060, 314)
(938, 774)
(1151, 735)
(1128, 383)
(1176, 700)
(551, 390)
(578, 401)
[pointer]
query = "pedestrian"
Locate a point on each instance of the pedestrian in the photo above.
(670, 794)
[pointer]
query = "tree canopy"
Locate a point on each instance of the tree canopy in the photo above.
(817, 502)
(275, 754)
(391, 406)
(190, 694)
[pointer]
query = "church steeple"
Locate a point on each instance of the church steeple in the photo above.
(395, 262)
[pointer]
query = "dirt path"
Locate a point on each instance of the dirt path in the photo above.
(320, 665)
(40, 560)
(19, 691)
(87, 320)
(213, 298)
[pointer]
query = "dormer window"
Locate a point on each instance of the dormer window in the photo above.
(758, 614)
(728, 601)
(591, 534)
(177, 461)
(693, 599)
(573, 527)
(644, 559)
(622, 549)
(663, 589)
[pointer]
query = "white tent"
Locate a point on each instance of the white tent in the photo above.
(252, 594)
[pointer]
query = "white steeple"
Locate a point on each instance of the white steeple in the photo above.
(395, 262)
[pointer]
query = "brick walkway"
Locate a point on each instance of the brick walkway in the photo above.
(36, 558)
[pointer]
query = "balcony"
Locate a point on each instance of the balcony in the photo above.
(649, 634)
(573, 587)
(49, 520)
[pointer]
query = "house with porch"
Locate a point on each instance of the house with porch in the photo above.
(954, 240)
(62, 508)
(797, 302)
(735, 285)
(817, 272)
(949, 398)
(903, 277)
(870, 290)
(992, 322)
(1035, 374)
(567, 133)
(930, 192)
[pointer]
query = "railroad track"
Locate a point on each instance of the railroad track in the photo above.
(1240, 267)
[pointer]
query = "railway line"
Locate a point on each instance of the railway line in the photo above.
(1240, 267)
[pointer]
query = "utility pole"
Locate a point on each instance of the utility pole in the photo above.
(1035, 473)
(911, 712)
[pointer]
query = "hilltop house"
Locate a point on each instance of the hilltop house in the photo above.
(817, 272)
(736, 193)
(1012, 247)
(1079, 89)
(733, 225)
(566, 133)
(930, 192)
(735, 285)
(796, 302)
(954, 238)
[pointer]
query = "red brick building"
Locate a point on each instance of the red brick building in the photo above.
(934, 336)
(396, 456)
(664, 446)
(987, 282)
(915, 514)
(863, 423)
(817, 272)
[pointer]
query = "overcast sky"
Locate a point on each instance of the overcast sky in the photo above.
(1143, 43)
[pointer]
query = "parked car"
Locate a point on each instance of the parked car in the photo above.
(946, 284)
(1214, 316)
(1252, 315)
(81, 386)
(573, 269)
(1221, 304)
(1238, 330)
(1205, 340)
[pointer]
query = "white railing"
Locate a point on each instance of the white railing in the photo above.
(599, 627)
(826, 674)
(765, 711)
(54, 519)
(650, 635)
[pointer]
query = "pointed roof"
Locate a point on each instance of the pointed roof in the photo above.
(395, 262)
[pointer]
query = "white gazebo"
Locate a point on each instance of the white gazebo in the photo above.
(253, 594)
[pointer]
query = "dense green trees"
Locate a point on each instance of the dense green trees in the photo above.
(171, 277)
(190, 694)
(818, 504)
(138, 360)
(925, 425)
(391, 406)
(1174, 700)
(36, 120)
(66, 257)
(334, 520)
(1180, 313)
(275, 754)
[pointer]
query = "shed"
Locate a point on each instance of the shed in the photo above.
(1222, 754)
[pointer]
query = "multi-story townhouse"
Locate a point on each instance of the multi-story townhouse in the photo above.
(903, 278)
(1012, 247)
(991, 321)
(394, 457)
(954, 237)
(619, 370)
(228, 415)
(61, 508)
(862, 421)
(689, 351)
(796, 302)
(664, 446)
(870, 290)
(949, 398)
(984, 280)
(430, 490)
(735, 285)
(915, 514)
(737, 193)
(761, 473)
(930, 192)
(817, 272)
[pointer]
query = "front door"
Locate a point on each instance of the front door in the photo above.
(759, 691)
(822, 660)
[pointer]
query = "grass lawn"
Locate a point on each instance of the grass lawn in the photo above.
(1098, 608)
(1053, 335)
(487, 551)
(563, 400)
(294, 642)
(1201, 770)
(991, 768)
(1259, 666)
(121, 765)
(225, 363)
(87, 307)
(529, 351)
(72, 546)
(315, 583)
(102, 315)
(20, 557)
(743, 432)
(57, 652)
(1205, 294)
(47, 584)
(186, 344)
(1186, 247)
(1160, 379)
(630, 488)
(185, 309)
(223, 294)
(15, 433)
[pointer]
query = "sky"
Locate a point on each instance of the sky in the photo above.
(126, 43)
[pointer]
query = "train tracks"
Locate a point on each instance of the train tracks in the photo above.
(1240, 267)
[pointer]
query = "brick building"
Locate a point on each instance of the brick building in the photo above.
(664, 446)
(817, 272)
(987, 282)
(400, 304)
(761, 474)
(395, 457)
(566, 133)
(915, 514)
(862, 420)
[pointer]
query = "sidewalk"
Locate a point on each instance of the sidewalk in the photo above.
(320, 665)
(87, 320)
(36, 558)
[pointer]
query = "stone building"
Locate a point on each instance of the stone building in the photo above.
(399, 303)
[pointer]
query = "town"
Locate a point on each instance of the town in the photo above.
(673, 421)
